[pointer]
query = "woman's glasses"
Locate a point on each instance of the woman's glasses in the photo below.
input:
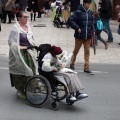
(25, 16)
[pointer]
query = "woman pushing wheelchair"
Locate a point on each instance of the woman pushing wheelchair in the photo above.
(22, 62)
(23, 67)
(55, 61)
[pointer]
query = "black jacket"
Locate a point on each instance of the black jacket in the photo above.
(105, 9)
(82, 19)
(33, 5)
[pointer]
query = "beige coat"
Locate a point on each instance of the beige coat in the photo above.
(9, 5)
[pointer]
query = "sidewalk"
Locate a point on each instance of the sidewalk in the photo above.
(63, 37)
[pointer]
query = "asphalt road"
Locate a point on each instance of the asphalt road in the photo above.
(103, 102)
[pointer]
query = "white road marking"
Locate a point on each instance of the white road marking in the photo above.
(92, 71)
(3, 68)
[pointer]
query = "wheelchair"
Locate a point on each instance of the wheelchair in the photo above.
(39, 88)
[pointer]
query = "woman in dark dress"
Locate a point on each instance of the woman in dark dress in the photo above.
(33, 6)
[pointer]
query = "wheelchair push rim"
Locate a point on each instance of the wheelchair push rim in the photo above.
(38, 91)
(62, 91)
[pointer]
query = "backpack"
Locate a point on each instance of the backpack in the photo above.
(100, 25)
(44, 48)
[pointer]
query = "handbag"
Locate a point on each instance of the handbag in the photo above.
(118, 31)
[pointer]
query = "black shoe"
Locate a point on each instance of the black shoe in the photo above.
(72, 67)
(109, 41)
(3, 22)
(70, 99)
(89, 72)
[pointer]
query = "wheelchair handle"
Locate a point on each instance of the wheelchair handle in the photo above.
(31, 47)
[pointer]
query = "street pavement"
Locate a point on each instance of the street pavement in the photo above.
(103, 102)
(64, 38)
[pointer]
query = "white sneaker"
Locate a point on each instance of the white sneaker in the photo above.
(72, 98)
(81, 96)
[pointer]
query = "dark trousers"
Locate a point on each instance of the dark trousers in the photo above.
(98, 37)
(107, 28)
(0, 17)
(5, 13)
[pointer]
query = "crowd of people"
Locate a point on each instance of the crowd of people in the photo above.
(11, 7)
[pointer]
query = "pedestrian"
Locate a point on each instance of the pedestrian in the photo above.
(73, 4)
(40, 8)
(33, 6)
(81, 22)
(22, 5)
(17, 6)
(8, 6)
(93, 8)
(105, 12)
(13, 11)
(65, 12)
(99, 30)
(54, 66)
(22, 62)
(47, 7)
(118, 14)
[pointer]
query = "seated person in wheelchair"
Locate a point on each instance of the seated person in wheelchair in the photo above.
(54, 61)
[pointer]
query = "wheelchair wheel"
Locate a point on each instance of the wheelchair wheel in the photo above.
(71, 103)
(54, 105)
(38, 91)
(62, 91)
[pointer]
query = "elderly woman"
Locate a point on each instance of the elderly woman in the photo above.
(54, 61)
(22, 63)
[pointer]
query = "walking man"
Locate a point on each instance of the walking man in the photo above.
(81, 22)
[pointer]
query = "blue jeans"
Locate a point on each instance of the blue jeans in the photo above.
(107, 28)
